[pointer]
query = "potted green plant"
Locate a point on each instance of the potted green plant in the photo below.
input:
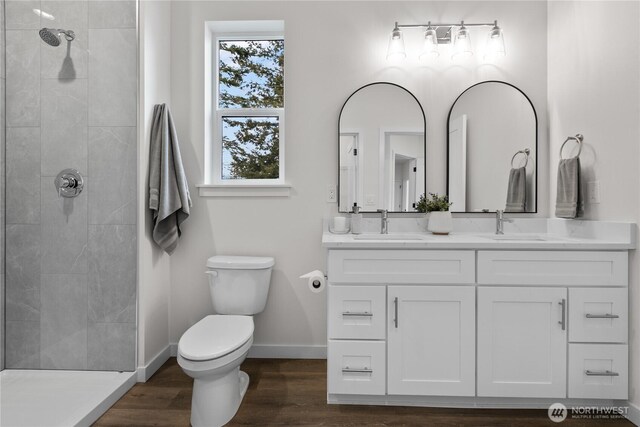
(437, 208)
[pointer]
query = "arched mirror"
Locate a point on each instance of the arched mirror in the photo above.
(492, 150)
(381, 149)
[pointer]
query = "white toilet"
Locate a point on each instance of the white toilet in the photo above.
(212, 350)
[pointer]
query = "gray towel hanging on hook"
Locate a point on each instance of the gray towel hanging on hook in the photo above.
(569, 198)
(517, 184)
(169, 197)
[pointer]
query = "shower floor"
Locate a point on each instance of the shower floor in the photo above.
(59, 398)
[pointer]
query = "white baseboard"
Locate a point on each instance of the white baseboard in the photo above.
(145, 372)
(262, 351)
(633, 414)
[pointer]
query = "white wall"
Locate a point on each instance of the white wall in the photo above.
(594, 89)
(332, 48)
(153, 265)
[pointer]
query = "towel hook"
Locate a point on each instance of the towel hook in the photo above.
(526, 152)
(578, 139)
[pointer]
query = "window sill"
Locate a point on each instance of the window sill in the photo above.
(240, 190)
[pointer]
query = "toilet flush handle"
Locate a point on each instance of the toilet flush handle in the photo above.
(211, 273)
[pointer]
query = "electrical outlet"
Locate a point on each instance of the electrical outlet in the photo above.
(593, 192)
(370, 200)
(331, 194)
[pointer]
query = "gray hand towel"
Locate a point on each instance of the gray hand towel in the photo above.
(169, 197)
(517, 190)
(569, 200)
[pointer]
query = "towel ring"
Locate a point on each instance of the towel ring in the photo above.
(526, 152)
(578, 138)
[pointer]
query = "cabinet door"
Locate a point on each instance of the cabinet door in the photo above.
(522, 342)
(431, 340)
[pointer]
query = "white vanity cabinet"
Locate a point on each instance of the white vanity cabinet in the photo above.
(559, 303)
(396, 299)
(473, 327)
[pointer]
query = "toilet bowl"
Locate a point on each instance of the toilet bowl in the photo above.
(212, 350)
(214, 365)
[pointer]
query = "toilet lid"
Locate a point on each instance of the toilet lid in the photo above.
(214, 336)
(240, 262)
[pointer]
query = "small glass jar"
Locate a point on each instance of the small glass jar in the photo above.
(339, 225)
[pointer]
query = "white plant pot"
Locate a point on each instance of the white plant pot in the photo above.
(440, 222)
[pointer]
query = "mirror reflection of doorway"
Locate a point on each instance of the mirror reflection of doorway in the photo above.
(403, 170)
(349, 166)
(404, 187)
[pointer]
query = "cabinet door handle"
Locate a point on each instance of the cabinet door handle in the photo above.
(601, 373)
(602, 316)
(357, 314)
(563, 321)
(349, 370)
(395, 304)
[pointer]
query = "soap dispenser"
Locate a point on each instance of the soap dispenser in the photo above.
(356, 220)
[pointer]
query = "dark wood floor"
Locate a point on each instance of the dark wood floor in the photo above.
(293, 393)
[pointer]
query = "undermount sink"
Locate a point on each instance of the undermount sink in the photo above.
(394, 236)
(516, 237)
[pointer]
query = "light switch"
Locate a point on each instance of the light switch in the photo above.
(593, 192)
(331, 194)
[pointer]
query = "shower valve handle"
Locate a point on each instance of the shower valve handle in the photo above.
(69, 183)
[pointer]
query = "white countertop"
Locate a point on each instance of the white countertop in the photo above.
(476, 233)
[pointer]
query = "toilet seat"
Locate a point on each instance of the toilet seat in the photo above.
(240, 262)
(215, 336)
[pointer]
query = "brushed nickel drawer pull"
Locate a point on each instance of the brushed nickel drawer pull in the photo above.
(601, 373)
(563, 322)
(365, 370)
(357, 314)
(602, 316)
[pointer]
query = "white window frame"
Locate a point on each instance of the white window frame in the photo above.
(219, 113)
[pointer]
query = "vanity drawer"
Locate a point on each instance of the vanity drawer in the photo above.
(356, 367)
(357, 312)
(562, 268)
(598, 315)
(401, 266)
(598, 371)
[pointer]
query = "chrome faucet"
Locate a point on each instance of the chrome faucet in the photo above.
(384, 221)
(500, 220)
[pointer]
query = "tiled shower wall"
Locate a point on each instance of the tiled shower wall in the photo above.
(71, 263)
(2, 169)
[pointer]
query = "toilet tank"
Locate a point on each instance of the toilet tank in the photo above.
(239, 284)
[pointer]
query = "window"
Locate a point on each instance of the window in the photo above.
(248, 111)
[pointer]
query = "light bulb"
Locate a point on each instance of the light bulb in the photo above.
(495, 43)
(395, 51)
(430, 44)
(462, 43)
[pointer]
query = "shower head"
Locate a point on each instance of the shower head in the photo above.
(51, 36)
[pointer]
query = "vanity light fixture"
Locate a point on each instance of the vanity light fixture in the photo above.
(435, 35)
